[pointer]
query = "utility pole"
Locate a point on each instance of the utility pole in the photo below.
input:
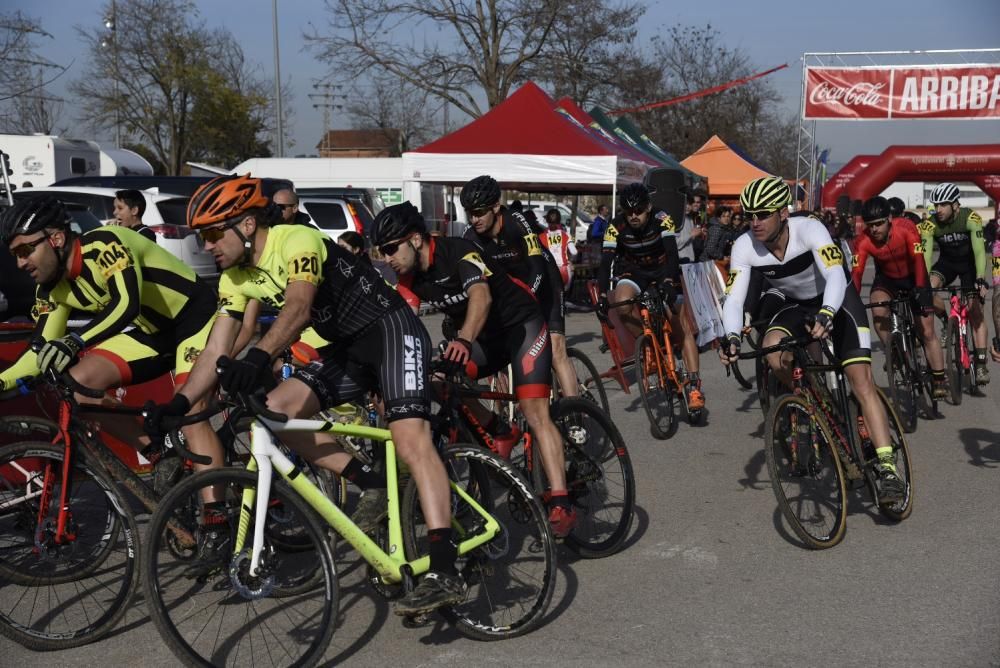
(326, 101)
(280, 142)
(111, 41)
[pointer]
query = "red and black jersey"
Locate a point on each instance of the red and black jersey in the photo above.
(650, 249)
(901, 256)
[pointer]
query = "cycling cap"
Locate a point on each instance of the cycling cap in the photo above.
(223, 198)
(633, 196)
(768, 193)
(32, 214)
(875, 208)
(395, 222)
(480, 192)
(896, 206)
(945, 193)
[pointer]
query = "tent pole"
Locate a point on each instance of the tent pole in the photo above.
(614, 198)
(573, 222)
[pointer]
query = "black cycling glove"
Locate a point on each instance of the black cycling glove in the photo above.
(245, 375)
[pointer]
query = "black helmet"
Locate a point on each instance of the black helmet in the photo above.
(32, 214)
(395, 222)
(896, 206)
(633, 196)
(876, 208)
(480, 192)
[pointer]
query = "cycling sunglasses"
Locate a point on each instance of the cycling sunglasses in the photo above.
(634, 211)
(879, 222)
(390, 248)
(478, 213)
(24, 250)
(763, 214)
(212, 235)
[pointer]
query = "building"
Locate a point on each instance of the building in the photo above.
(375, 143)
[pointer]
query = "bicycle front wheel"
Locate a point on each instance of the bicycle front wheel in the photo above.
(58, 595)
(744, 382)
(953, 362)
(657, 397)
(902, 385)
(806, 473)
(211, 610)
(512, 577)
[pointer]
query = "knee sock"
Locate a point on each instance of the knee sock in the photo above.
(363, 475)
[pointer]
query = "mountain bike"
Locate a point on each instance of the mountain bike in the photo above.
(958, 342)
(817, 447)
(253, 603)
(599, 477)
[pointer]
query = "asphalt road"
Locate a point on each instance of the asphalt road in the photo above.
(711, 575)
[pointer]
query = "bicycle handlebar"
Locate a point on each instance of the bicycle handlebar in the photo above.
(259, 407)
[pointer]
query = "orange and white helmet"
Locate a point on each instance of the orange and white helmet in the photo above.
(224, 198)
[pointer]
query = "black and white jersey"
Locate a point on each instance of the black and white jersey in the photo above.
(811, 271)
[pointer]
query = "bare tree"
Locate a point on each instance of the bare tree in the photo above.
(24, 74)
(395, 107)
(467, 48)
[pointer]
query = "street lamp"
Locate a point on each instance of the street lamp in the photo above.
(111, 41)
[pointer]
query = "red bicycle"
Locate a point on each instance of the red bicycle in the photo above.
(960, 364)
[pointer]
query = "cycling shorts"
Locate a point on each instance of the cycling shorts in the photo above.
(553, 303)
(141, 357)
(390, 357)
(640, 279)
(851, 334)
(526, 348)
(948, 270)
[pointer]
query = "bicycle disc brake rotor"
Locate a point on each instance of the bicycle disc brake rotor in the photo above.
(45, 540)
(248, 586)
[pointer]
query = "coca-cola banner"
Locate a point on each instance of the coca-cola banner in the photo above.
(884, 93)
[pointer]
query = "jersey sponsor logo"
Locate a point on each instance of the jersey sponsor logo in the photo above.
(926, 227)
(413, 364)
(918, 248)
(42, 307)
(191, 354)
(366, 285)
(996, 269)
(831, 255)
(611, 235)
(539, 343)
(854, 262)
(666, 222)
(954, 238)
(534, 247)
(731, 279)
(112, 259)
(343, 266)
(477, 260)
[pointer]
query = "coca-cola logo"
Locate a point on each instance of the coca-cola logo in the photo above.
(862, 94)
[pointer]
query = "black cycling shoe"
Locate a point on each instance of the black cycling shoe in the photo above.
(435, 590)
(890, 485)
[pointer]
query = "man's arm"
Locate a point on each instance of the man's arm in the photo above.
(51, 324)
(480, 301)
(975, 227)
(926, 230)
(293, 317)
(248, 327)
(532, 249)
(203, 378)
(829, 257)
(609, 249)
(859, 262)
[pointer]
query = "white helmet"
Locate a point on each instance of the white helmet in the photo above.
(945, 193)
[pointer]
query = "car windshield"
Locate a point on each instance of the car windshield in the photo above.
(328, 215)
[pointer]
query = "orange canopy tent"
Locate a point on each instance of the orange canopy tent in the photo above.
(727, 170)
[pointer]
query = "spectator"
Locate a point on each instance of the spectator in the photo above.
(595, 235)
(129, 207)
(288, 202)
(353, 242)
(691, 235)
(720, 235)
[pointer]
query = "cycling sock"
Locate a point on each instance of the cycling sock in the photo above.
(885, 454)
(980, 355)
(694, 377)
(559, 498)
(937, 373)
(443, 551)
(363, 475)
(214, 512)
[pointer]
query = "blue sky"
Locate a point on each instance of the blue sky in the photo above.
(772, 32)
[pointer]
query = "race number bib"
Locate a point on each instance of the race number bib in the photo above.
(831, 255)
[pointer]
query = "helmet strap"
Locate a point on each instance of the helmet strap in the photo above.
(247, 248)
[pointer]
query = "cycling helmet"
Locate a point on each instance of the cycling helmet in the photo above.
(633, 196)
(768, 193)
(896, 206)
(875, 208)
(223, 198)
(945, 193)
(32, 214)
(395, 222)
(480, 192)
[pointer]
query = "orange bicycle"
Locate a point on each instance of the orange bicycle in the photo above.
(660, 373)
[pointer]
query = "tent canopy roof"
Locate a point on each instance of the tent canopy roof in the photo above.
(727, 171)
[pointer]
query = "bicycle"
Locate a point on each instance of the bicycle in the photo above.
(957, 342)
(907, 370)
(590, 385)
(506, 552)
(599, 477)
(659, 373)
(817, 446)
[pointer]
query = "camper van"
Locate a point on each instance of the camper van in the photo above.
(41, 160)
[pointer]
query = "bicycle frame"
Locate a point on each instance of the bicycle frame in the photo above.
(960, 310)
(666, 364)
(267, 458)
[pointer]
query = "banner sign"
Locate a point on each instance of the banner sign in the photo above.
(703, 292)
(893, 93)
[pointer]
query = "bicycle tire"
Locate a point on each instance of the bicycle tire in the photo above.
(27, 427)
(818, 512)
(970, 377)
(105, 576)
(657, 398)
(743, 381)
(251, 606)
(902, 388)
(511, 579)
(599, 478)
(899, 510)
(589, 378)
(953, 363)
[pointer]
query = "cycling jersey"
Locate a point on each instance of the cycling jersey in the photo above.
(517, 249)
(456, 265)
(562, 249)
(351, 294)
(996, 264)
(960, 241)
(650, 250)
(900, 257)
(128, 282)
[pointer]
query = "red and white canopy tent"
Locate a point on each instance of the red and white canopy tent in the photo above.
(525, 144)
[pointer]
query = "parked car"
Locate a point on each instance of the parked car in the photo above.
(165, 215)
(174, 185)
(583, 219)
(335, 215)
(369, 196)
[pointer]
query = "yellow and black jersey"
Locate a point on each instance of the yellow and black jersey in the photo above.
(650, 250)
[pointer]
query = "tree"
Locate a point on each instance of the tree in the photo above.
(165, 76)
(24, 74)
(467, 48)
(393, 106)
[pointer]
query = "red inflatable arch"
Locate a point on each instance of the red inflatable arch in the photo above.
(978, 163)
(837, 184)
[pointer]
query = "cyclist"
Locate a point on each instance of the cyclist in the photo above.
(899, 266)
(558, 243)
(959, 232)
(642, 244)
(377, 345)
(507, 238)
(151, 313)
(800, 259)
(498, 323)
(995, 262)
(896, 206)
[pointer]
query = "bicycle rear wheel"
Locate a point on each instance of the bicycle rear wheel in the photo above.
(898, 510)
(511, 578)
(953, 362)
(902, 383)
(599, 478)
(806, 473)
(657, 397)
(60, 596)
(591, 385)
(212, 611)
